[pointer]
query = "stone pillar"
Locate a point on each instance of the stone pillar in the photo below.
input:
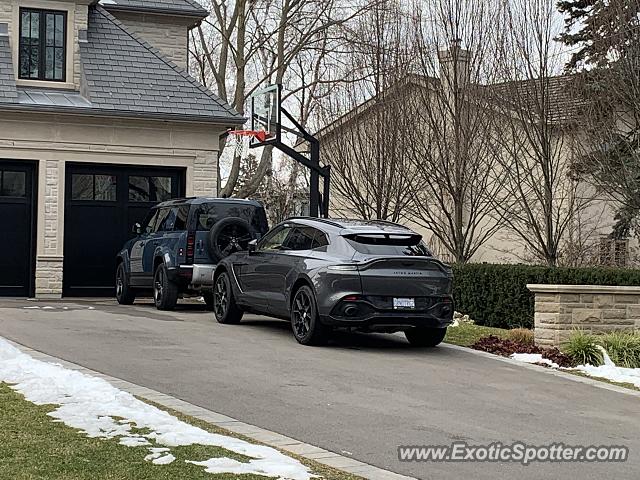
(560, 309)
(49, 261)
(205, 174)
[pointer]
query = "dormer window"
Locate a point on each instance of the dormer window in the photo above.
(43, 36)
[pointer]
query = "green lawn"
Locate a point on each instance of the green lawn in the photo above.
(33, 446)
(466, 335)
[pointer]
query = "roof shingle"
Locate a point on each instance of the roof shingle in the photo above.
(126, 74)
(177, 7)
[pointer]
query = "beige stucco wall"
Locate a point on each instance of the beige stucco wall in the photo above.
(580, 241)
(166, 33)
(53, 140)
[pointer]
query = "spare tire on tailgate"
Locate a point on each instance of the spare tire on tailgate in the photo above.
(228, 236)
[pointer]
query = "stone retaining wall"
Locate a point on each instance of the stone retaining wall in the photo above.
(560, 309)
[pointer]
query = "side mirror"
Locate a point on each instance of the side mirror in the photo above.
(137, 229)
(252, 247)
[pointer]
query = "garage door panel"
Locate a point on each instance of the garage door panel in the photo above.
(103, 202)
(17, 220)
(94, 247)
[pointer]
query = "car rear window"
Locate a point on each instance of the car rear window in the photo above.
(389, 244)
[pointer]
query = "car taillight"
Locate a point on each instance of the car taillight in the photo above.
(191, 247)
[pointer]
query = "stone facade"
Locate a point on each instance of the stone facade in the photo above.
(167, 34)
(560, 309)
(77, 13)
(54, 140)
(161, 131)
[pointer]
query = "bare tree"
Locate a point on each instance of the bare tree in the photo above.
(540, 198)
(249, 43)
(453, 148)
(610, 150)
(370, 126)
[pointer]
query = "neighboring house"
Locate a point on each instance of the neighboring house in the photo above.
(98, 121)
(588, 231)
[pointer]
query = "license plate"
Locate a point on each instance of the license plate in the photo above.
(399, 303)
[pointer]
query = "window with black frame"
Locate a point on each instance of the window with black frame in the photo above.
(149, 189)
(43, 38)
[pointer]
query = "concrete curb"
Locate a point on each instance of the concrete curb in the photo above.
(549, 371)
(273, 439)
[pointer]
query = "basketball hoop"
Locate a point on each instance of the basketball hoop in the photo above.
(243, 140)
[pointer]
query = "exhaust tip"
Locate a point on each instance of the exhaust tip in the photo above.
(351, 310)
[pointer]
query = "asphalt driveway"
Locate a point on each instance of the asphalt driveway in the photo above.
(362, 396)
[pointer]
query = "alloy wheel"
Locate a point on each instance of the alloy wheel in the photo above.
(302, 306)
(233, 238)
(119, 283)
(158, 286)
(220, 297)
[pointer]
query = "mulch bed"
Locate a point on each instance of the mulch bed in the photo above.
(505, 348)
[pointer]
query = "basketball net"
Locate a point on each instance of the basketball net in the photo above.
(243, 140)
(242, 146)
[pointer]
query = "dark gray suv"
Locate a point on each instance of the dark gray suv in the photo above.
(177, 247)
(369, 276)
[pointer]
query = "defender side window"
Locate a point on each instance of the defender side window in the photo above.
(181, 216)
(149, 224)
(166, 219)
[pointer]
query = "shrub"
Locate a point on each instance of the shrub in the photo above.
(623, 348)
(497, 295)
(506, 347)
(521, 335)
(583, 349)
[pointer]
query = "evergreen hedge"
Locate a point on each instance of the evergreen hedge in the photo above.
(497, 296)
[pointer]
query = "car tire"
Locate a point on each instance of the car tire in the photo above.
(305, 321)
(229, 235)
(425, 337)
(225, 308)
(165, 292)
(124, 293)
(208, 300)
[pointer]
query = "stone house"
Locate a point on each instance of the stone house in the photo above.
(98, 121)
(588, 230)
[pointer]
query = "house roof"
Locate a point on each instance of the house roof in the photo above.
(125, 73)
(566, 101)
(376, 100)
(189, 8)
(566, 104)
(122, 76)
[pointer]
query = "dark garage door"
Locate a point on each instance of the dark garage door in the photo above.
(102, 202)
(17, 217)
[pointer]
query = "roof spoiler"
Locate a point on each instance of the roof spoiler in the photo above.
(384, 238)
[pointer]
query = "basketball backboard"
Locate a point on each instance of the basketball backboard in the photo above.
(266, 113)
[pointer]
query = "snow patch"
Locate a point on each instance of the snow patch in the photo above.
(534, 358)
(159, 456)
(608, 371)
(100, 410)
(164, 460)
